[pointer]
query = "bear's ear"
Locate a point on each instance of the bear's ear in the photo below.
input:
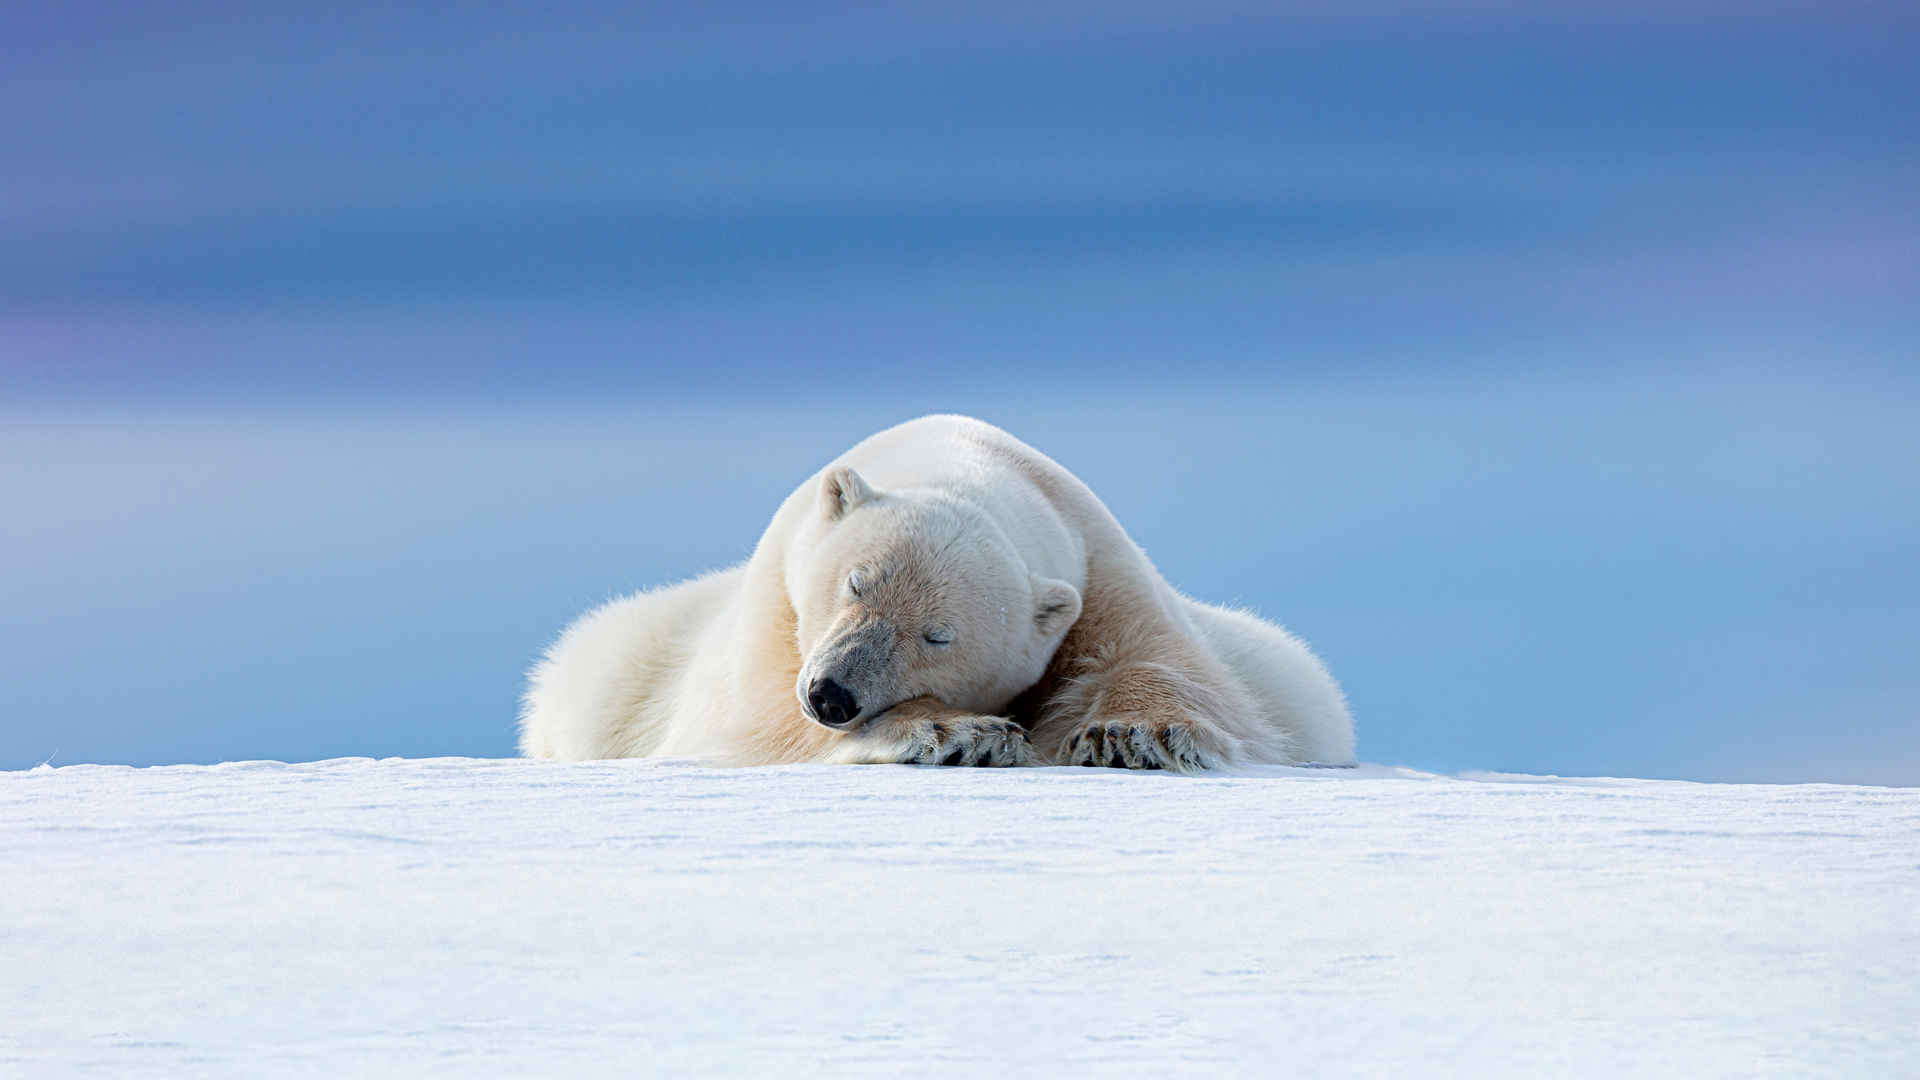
(1056, 605)
(841, 490)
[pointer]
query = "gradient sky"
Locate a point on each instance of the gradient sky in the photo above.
(1555, 370)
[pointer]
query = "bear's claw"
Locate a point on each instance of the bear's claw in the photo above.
(1140, 745)
(987, 740)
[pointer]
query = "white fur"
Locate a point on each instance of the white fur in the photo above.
(954, 529)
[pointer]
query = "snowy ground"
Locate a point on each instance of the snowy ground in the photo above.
(460, 918)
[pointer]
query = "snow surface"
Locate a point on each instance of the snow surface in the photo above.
(461, 917)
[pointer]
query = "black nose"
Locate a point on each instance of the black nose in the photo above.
(832, 705)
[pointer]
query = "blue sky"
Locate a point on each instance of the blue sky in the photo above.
(1552, 369)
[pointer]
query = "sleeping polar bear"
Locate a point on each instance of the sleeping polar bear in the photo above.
(942, 594)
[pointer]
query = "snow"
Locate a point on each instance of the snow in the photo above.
(456, 917)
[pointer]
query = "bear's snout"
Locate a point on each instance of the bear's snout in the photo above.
(831, 703)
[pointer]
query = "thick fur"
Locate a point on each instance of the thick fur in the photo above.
(977, 603)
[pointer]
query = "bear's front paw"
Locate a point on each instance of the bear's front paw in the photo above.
(1140, 744)
(927, 731)
(968, 740)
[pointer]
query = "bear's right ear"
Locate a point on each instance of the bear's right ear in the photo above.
(1056, 605)
(841, 490)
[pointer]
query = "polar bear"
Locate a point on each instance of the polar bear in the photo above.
(942, 593)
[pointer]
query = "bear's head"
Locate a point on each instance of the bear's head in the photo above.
(909, 594)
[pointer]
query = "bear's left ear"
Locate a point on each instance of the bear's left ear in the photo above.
(1056, 605)
(841, 490)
